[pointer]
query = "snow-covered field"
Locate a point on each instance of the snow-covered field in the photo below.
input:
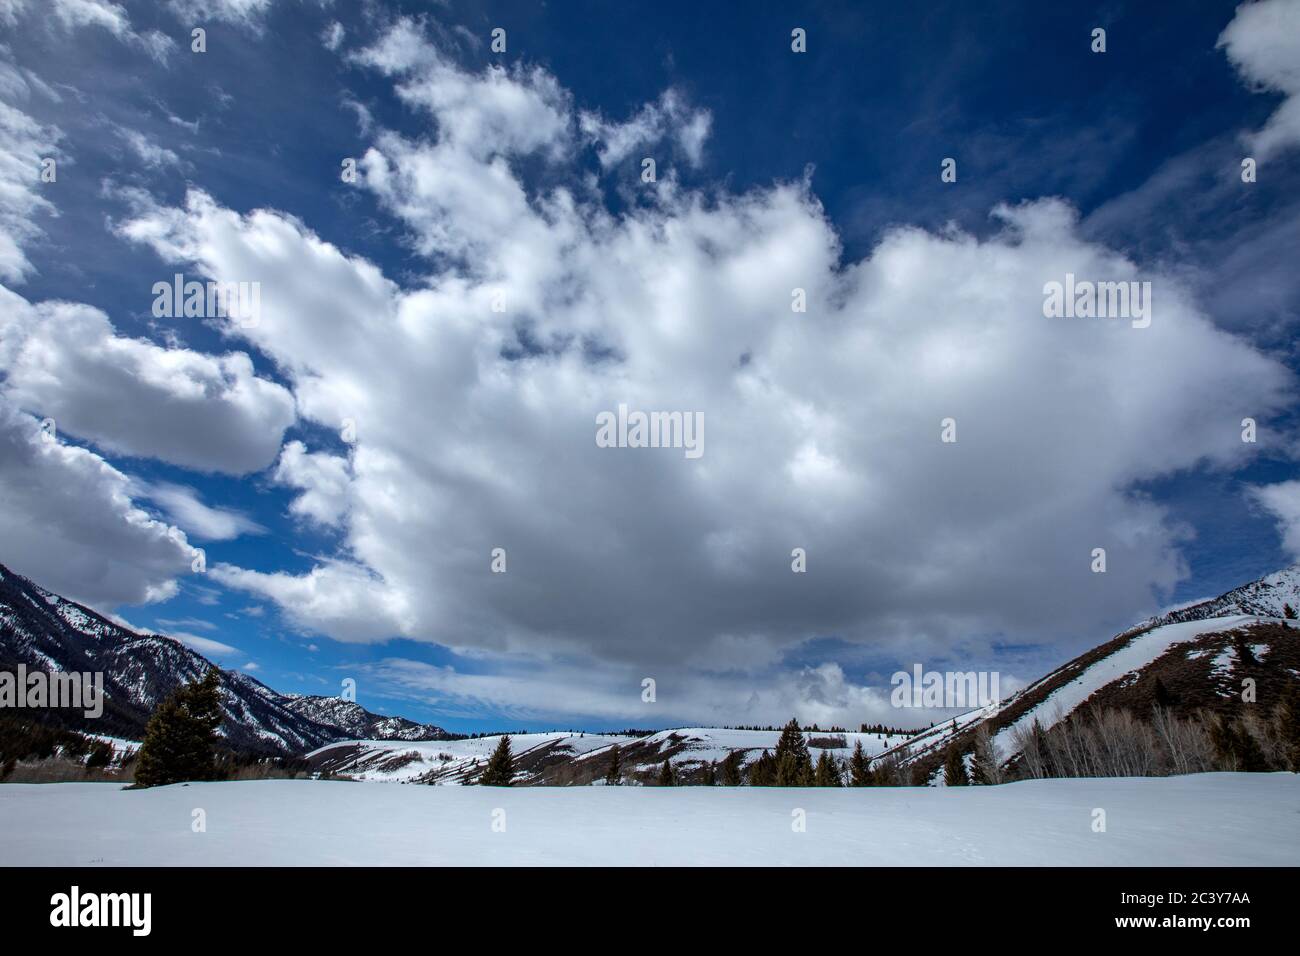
(1209, 819)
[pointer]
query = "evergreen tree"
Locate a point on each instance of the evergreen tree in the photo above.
(711, 774)
(763, 773)
(180, 738)
(794, 766)
(1288, 612)
(500, 770)
(1161, 693)
(666, 776)
(859, 767)
(1244, 653)
(828, 772)
(101, 754)
(614, 775)
(162, 752)
(954, 769)
(731, 769)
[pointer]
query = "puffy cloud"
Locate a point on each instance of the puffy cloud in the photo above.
(1263, 43)
(514, 110)
(206, 412)
(323, 479)
(475, 428)
(1282, 500)
(343, 600)
(332, 36)
(669, 118)
(68, 522)
(183, 507)
(150, 153)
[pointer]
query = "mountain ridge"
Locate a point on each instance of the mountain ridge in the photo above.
(43, 630)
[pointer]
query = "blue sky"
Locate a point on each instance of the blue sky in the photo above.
(826, 154)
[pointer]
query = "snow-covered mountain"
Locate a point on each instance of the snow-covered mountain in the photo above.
(42, 630)
(357, 722)
(1269, 597)
(1194, 657)
(564, 757)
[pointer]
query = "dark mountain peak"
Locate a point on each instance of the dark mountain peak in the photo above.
(45, 631)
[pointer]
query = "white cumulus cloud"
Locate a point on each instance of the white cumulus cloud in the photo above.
(1263, 43)
(65, 361)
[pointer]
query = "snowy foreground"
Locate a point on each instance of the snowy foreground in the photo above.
(1208, 819)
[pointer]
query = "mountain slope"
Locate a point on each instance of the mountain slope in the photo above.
(356, 722)
(44, 631)
(1200, 654)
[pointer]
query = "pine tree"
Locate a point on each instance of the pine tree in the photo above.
(500, 770)
(101, 754)
(763, 773)
(180, 738)
(1288, 612)
(794, 766)
(954, 769)
(859, 767)
(828, 772)
(614, 775)
(163, 749)
(1245, 655)
(731, 769)
(1161, 693)
(666, 776)
(711, 774)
